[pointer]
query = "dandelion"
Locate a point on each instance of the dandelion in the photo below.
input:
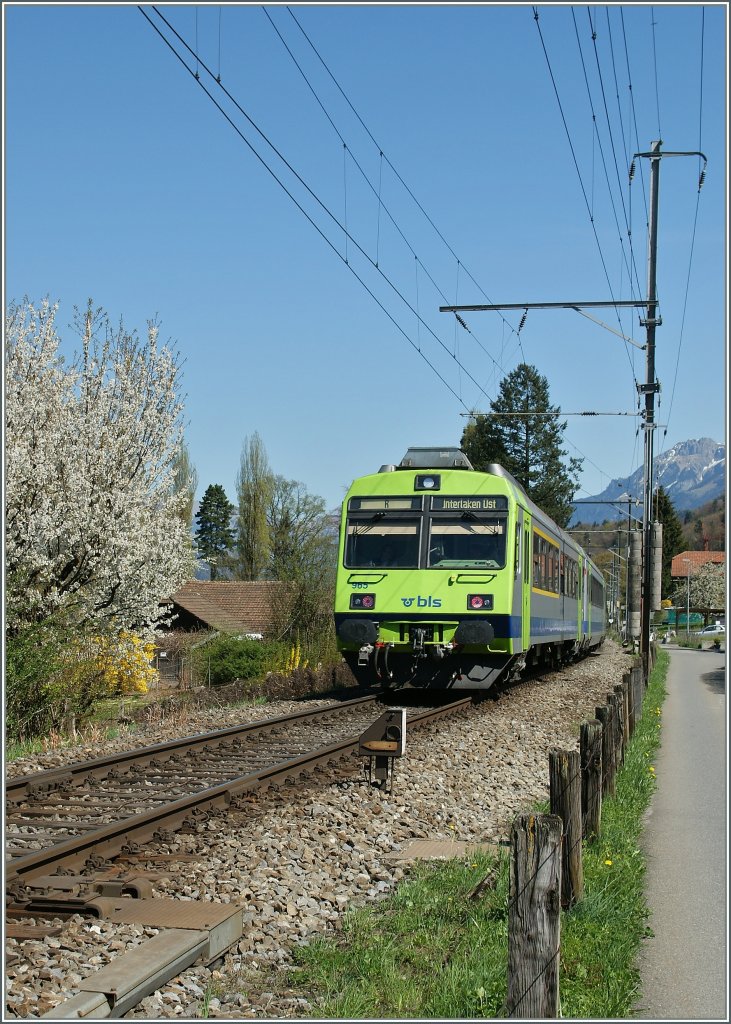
(608, 863)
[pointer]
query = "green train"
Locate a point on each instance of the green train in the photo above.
(453, 578)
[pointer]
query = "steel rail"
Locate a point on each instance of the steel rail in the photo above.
(17, 789)
(116, 837)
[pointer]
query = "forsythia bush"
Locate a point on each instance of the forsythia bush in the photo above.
(125, 663)
(107, 666)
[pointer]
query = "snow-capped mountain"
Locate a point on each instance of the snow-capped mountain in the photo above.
(691, 473)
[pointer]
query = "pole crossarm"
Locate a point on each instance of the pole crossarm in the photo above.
(543, 305)
(558, 414)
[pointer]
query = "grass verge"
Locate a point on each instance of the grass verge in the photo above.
(434, 950)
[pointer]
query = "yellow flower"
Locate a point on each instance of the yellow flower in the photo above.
(608, 863)
(652, 769)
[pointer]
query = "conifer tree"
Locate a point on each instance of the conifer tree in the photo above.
(214, 535)
(526, 443)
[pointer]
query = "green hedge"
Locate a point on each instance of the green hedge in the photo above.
(227, 658)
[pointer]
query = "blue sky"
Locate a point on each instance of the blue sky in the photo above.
(123, 182)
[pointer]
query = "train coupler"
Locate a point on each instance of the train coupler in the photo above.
(364, 654)
(418, 636)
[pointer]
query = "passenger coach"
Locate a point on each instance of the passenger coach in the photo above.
(449, 577)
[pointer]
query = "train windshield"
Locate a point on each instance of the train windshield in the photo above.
(382, 544)
(467, 543)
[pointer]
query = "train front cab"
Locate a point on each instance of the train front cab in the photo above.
(415, 602)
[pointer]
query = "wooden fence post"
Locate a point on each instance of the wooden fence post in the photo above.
(534, 916)
(627, 678)
(621, 690)
(590, 747)
(604, 714)
(564, 769)
(615, 702)
(639, 691)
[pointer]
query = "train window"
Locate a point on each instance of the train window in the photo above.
(459, 543)
(597, 592)
(382, 544)
(546, 564)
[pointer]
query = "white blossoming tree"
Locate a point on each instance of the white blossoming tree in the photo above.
(707, 590)
(93, 531)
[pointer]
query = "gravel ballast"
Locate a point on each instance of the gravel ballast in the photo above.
(296, 859)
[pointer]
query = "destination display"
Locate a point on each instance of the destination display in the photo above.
(470, 503)
(384, 504)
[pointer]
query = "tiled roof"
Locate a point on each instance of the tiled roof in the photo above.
(229, 606)
(697, 559)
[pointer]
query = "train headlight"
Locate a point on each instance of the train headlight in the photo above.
(428, 482)
(364, 602)
(479, 602)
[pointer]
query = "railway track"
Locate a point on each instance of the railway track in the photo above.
(255, 876)
(77, 818)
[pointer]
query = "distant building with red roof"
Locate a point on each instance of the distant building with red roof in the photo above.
(227, 606)
(689, 562)
(201, 609)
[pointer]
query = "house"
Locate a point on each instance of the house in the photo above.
(687, 563)
(226, 606)
(201, 609)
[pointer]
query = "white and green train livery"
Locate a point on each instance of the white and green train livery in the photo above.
(449, 577)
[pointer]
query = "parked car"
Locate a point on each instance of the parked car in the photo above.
(712, 630)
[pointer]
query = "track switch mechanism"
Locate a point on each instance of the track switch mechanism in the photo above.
(381, 743)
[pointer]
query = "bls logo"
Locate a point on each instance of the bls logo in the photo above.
(422, 602)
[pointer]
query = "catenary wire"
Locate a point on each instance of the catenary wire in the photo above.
(302, 210)
(578, 171)
(695, 223)
(316, 198)
(614, 153)
(366, 178)
(395, 171)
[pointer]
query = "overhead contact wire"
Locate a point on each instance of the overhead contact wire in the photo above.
(300, 207)
(395, 171)
(695, 222)
(376, 193)
(320, 203)
(573, 155)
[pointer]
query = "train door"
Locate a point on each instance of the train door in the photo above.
(527, 578)
(579, 606)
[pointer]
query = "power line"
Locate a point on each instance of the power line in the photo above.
(366, 178)
(388, 161)
(695, 221)
(578, 171)
(614, 155)
(314, 196)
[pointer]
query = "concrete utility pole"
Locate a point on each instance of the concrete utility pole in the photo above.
(651, 386)
(648, 389)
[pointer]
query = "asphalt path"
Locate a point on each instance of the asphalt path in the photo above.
(684, 967)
